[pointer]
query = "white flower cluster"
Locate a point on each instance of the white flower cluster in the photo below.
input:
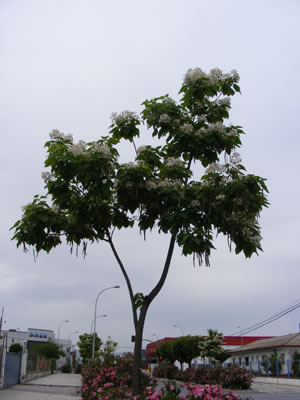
(195, 204)
(129, 165)
(169, 100)
(174, 162)
(200, 132)
(252, 237)
(213, 77)
(163, 184)
(47, 177)
(201, 118)
(231, 132)
(235, 158)
(169, 184)
(220, 197)
(125, 116)
(215, 168)
(56, 134)
(141, 149)
(193, 75)
(164, 119)
(187, 128)
(151, 185)
(225, 101)
(77, 149)
(219, 128)
(101, 148)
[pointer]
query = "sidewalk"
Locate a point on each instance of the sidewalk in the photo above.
(58, 379)
(52, 387)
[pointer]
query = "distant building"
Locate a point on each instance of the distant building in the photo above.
(34, 335)
(252, 355)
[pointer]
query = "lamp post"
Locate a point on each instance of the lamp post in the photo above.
(104, 315)
(179, 327)
(69, 341)
(103, 290)
(241, 336)
(58, 332)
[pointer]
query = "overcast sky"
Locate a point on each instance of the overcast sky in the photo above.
(68, 64)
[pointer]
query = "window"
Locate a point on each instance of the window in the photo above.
(247, 361)
(282, 358)
(233, 360)
(263, 358)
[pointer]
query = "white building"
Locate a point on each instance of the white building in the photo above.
(253, 355)
(26, 338)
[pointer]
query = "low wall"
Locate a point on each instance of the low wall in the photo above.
(30, 377)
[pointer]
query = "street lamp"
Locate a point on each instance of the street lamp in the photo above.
(111, 287)
(59, 329)
(154, 334)
(69, 342)
(104, 315)
(241, 336)
(177, 326)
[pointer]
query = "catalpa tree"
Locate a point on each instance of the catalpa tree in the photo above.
(89, 193)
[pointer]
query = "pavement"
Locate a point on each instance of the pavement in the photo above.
(52, 387)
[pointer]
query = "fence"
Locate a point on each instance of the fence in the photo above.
(36, 363)
(276, 368)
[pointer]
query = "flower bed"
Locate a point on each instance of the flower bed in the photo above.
(113, 382)
(233, 377)
(110, 382)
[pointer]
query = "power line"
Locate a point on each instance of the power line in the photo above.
(267, 321)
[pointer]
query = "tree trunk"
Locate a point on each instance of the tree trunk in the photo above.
(137, 355)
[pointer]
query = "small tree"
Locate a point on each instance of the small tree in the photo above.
(165, 351)
(89, 193)
(85, 345)
(15, 348)
(49, 350)
(109, 348)
(211, 346)
(186, 348)
(271, 363)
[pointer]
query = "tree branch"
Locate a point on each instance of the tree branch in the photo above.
(154, 292)
(134, 311)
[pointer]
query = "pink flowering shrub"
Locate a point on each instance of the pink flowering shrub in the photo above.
(233, 377)
(195, 392)
(110, 382)
(114, 382)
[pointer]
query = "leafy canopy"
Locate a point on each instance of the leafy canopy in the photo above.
(49, 350)
(15, 348)
(85, 345)
(89, 193)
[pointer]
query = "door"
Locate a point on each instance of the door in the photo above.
(12, 369)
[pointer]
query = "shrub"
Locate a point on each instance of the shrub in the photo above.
(15, 348)
(78, 368)
(66, 369)
(233, 377)
(165, 371)
(100, 381)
